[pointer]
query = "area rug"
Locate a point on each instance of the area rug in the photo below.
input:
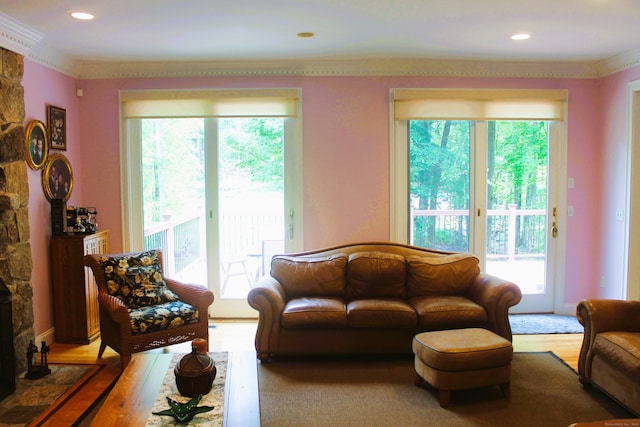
(382, 392)
(529, 324)
(33, 397)
(214, 398)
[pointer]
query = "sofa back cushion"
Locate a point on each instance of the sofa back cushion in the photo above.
(308, 277)
(442, 275)
(376, 275)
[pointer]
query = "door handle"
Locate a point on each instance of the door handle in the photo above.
(554, 230)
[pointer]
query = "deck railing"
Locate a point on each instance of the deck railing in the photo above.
(182, 238)
(512, 233)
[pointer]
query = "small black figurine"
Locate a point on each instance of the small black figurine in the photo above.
(44, 350)
(31, 350)
(37, 371)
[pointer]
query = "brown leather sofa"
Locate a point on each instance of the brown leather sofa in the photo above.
(610, 353)
(373, 298)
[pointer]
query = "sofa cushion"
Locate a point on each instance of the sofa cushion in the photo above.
(376, 275)
(315, 312)
(447, 312)
(382, 313)
(137, 279)
(306, 276)
(620, 349)
(441, 275)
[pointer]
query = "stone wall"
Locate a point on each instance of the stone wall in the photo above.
(15, 251)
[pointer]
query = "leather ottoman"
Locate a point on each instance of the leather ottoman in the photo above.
(462, 359)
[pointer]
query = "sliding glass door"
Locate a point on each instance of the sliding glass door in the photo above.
(212, 177)
(213, 200)
(483, 186)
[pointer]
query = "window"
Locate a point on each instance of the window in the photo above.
(192, 187)
(477, 170)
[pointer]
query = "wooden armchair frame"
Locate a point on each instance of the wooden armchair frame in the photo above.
(115, 324)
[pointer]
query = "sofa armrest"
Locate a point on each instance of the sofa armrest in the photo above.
(603, 315)
(496, 296)
(268, 297)
(195, 295)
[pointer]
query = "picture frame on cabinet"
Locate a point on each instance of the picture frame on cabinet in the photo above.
(57, 122)
(57, 178)
(36, 144)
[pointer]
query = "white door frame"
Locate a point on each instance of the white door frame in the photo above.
(399, 206)
(631, 250)
(131, 198)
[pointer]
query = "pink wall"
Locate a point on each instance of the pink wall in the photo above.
(613, 111)
(345, 157)
(44, 86)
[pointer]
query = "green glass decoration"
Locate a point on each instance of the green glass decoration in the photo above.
(184, 412)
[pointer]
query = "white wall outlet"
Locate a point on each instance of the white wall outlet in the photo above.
(570, 183)
(602, 282)
(569, 210)
(620, 215)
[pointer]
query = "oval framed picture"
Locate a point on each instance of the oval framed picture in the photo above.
(36, 144)
(57, 178)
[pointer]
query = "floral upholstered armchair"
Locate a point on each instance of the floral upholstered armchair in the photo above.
(140, 309)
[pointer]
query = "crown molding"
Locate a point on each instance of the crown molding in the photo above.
(53, 59)
(19, 38)
(16, 37)
(619, 63)
(339, 67)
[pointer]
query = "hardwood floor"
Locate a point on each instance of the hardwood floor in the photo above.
(230, 336)
(233, 335)
(565, 346)
(239, 336)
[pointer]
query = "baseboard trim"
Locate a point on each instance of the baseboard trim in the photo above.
(567, 309)
(48, 336)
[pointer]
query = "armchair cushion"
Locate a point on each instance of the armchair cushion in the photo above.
(137, 279)
(164, 316)
(622, 349)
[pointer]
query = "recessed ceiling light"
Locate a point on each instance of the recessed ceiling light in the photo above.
(520, 36)
(306, 35)
(84, 16)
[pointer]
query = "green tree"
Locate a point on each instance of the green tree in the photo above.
(171, 148)
(255, 146)
(439, 176)
(439, 156)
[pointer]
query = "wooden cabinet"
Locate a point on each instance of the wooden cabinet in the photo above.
(75, 293)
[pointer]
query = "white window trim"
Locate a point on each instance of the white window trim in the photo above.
(130, 155)
(399, 191)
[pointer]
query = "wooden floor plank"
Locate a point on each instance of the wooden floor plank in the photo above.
(242, 406)
(131, 400)
(241, 391)
(83, 401)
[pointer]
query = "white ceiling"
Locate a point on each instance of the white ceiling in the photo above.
(265, 30)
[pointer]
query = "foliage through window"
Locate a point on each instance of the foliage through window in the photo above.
(439, 182)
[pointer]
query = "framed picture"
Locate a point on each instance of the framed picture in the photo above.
(36, 144)
(57, 121)
(57, 178)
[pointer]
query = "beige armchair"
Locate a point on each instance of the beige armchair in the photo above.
(610, 353)
(140, 309)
